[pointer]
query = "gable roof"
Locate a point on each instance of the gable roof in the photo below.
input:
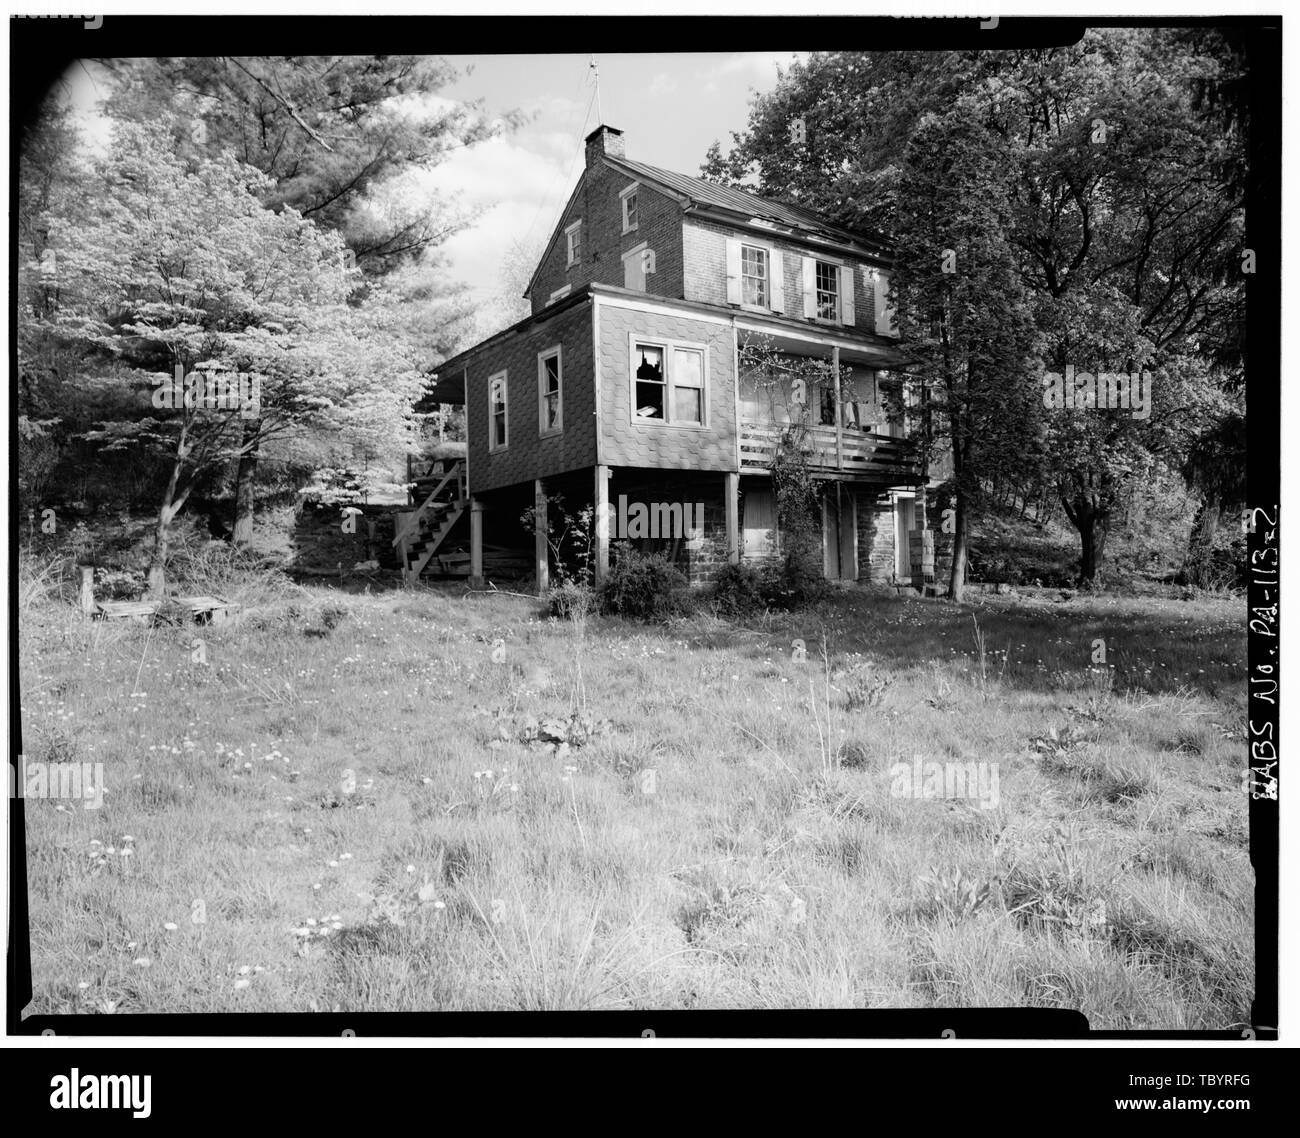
(700, 192)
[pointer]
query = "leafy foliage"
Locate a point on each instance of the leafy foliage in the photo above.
(643, 586)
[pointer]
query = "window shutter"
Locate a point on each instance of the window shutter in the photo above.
(846, 294)
(733, 271)
(633, 270)
(884, 316)
(776, 268)
(809, 288)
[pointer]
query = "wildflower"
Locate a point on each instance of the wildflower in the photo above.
(239, 984)
(170, 926)
(142, 962)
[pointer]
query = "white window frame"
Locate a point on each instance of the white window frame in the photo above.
(558, 294)
(838, 273)
(555, 352)
(630, 194)
(766, 250)
(572, 243)
(668, 347)
(504, 377)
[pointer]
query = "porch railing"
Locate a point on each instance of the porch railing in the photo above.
(879, 457)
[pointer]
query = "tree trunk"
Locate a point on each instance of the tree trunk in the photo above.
(161, 546)
(957, 578)
(245, 478)
(173, 500)
(1201, 541)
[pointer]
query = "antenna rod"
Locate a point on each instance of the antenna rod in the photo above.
(600, 118)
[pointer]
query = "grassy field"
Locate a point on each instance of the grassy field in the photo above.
(422, 800)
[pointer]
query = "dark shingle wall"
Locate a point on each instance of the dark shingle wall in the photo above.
(528, 456)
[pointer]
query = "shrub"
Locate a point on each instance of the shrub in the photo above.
(569, 600)
(643, 586)
(739, 589)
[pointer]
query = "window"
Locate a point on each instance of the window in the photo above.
(651, 383)
(754, 276)
(573, 243)
(668, 382)
(828, 291)
(498, 435)
(549, 409)
(688, 385)
(629, 197)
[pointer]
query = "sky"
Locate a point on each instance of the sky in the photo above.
(669, 107)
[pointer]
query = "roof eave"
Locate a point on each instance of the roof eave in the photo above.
(827, 238)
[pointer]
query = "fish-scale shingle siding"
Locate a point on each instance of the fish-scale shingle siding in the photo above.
(628, 442)
(528, 456)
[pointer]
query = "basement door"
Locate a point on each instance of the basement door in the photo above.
(839, 535)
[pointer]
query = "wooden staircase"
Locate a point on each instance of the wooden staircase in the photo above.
(421, 532)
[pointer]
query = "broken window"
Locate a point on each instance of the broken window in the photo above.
(651, 384)
(548, 386)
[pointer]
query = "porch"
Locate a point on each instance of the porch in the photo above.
(836, 453)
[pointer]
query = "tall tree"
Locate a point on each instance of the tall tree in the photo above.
(961, 308)
(1126, 224)
(343, 140)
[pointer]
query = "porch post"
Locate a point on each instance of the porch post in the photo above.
(541, 548)
(601, 500)
(732, 492)
(839, 409)
(475, 541)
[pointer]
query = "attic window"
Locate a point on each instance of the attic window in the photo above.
(573, 244)
(629, 199)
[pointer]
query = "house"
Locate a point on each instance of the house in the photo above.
(678, 328)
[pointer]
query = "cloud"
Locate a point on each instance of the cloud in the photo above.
(662, 84)
(519, 191)
(756, 64)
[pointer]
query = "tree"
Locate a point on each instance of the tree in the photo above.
(960, 306)
(178, 275)
(332, 133)
(344, 140)
(1126, 218)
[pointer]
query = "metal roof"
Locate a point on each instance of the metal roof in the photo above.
(740, 201)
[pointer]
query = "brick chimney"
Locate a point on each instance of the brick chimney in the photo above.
(604, 140)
